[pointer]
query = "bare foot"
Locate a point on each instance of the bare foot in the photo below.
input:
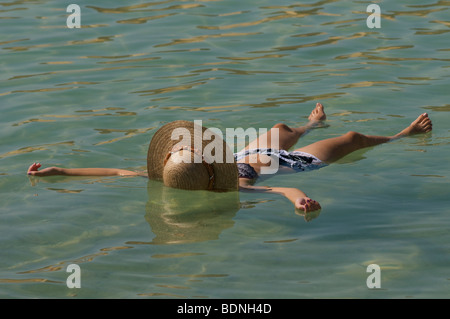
(318, 114)
(421, 125)
(316, 119)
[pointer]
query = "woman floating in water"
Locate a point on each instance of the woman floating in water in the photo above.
(189, 169)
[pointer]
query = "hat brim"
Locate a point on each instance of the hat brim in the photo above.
(225, 172)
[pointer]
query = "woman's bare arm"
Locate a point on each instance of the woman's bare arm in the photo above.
(300, 200)
(51, 171)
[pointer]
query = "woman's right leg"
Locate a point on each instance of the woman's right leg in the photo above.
(332, 149)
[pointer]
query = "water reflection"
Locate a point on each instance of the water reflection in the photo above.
(281, 15)
(144, 19)
(178, 216)
(202, 38)
(443, 108)
(140, 7)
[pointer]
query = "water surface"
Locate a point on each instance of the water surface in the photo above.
(94, 97)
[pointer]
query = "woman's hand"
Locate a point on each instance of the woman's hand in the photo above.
(33, 170)
(306, 204)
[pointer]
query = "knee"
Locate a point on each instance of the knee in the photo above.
(355, 137)
(282, 126)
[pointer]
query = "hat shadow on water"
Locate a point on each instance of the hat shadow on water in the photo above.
(178, 216)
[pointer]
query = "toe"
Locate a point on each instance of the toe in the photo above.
(427, 127)
(419, 119)
(424, 118)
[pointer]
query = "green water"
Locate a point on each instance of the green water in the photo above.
(94, 97)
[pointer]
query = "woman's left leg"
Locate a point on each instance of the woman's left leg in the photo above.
(287, 136)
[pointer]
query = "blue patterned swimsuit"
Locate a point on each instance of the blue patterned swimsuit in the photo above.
(299, 161)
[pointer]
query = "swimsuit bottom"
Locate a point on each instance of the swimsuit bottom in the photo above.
(299, 161)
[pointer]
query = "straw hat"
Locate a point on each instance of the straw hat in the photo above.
(185, 155)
